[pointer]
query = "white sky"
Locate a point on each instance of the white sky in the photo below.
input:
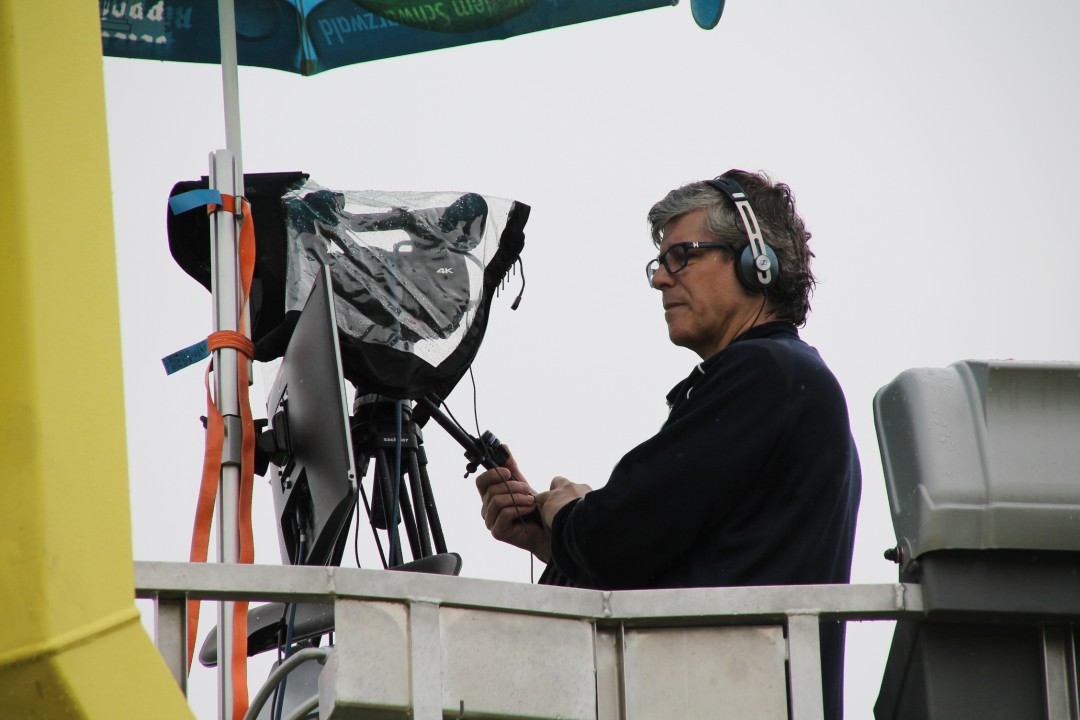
(931, 147)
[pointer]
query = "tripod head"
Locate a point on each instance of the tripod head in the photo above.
(374, 424)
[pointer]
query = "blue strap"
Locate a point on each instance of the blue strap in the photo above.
(188, 356)
(192, 199)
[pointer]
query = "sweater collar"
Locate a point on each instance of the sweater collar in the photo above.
(777, 329)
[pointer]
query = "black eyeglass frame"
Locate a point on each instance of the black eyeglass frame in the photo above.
(662, 259)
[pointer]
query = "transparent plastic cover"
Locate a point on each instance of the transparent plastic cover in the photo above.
(407, 267)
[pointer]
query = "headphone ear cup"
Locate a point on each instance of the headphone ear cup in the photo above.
(747, 272)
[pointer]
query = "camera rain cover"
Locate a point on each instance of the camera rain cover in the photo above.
(413, 277)
(413, 273)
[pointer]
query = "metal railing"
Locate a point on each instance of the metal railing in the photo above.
(418, 645)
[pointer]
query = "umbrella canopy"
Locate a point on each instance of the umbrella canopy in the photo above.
(310, 36)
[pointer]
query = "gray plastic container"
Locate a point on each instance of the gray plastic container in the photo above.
(982, 455)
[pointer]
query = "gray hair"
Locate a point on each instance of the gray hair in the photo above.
(781, 226)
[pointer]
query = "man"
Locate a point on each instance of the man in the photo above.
(754, 478)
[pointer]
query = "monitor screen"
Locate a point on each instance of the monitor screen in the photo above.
(314, 478)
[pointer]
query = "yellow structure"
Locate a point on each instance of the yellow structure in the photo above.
(71, 645)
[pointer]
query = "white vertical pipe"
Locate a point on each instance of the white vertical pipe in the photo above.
(230, 83)
(226, 175)
(230, 90)
(226, 311)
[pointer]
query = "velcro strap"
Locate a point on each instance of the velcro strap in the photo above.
(194, 198)
(231, 339)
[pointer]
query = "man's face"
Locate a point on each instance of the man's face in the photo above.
(704, 305)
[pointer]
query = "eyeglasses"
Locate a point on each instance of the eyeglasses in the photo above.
(675, 258)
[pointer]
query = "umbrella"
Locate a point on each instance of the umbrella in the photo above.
(310, 36)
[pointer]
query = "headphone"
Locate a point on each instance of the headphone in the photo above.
(758, 267)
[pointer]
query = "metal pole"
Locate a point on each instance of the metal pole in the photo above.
(226, 175)
(225, 292)
(230, 82)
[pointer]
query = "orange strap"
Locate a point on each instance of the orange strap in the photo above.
(215, 443)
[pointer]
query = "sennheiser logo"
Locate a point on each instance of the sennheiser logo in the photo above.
(445, 271)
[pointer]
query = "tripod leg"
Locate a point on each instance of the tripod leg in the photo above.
(419, 504)
(383, 467)
(386, 500)
(429, 501)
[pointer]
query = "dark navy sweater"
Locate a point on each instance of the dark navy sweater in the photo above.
(753, 479)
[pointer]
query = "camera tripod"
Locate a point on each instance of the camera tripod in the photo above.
(382, 436)
(385, 433)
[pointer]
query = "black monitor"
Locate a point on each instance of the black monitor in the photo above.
(313, 476)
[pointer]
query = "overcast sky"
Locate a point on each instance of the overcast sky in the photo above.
(931, 146)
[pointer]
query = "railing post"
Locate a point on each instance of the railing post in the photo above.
(170, 636)
(804, 666)
(610, 694)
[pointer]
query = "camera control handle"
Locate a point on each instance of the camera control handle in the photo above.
(486, 451)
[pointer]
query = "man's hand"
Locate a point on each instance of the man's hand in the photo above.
(509, 508)
(562, 491)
